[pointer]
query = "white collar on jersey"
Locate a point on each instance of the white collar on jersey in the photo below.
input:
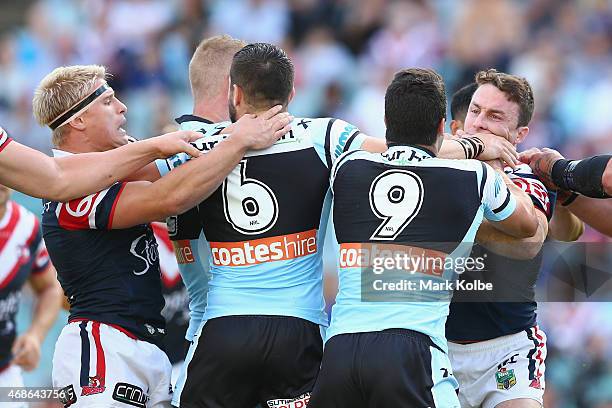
(60, 153)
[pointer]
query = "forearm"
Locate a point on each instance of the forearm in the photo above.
(594, 212)
(583, 176)
(85, 173)
(451, 149)
(564, 225)
(506, 245)
(46, 310)
(196, 180)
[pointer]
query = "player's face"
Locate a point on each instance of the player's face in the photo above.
(105, 119)
(491, 112)
(5, 193)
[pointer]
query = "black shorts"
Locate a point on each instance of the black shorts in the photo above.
(394, 368)
(243, 361)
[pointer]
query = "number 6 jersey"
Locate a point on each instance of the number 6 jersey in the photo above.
(264, 227)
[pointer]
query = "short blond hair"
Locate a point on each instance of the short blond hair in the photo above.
(60, 90)
(210, 65)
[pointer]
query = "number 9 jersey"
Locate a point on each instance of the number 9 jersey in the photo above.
(265, 225)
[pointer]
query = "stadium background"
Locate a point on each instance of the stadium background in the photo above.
(345, 52)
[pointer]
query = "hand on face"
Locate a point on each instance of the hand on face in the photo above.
(496, 147)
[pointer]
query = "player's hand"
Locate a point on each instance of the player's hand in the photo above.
(172, 143)
(496, 164)
(541, 162)
(262, 130)
(496, 147)
(26, 351)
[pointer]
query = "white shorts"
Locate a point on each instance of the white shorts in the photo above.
(11, 378)
(506, 368)
(100, 366)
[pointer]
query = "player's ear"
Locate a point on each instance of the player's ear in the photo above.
(455, 125)
(291, 95)
(237, 95)
(441, 126)
(77, 123)
(521, 134)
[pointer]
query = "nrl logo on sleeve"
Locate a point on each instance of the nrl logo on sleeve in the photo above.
(130, 394)
(172, 222)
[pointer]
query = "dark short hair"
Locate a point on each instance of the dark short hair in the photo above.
(265, 74)
(516, 88)
(460, 101)
(415, 103)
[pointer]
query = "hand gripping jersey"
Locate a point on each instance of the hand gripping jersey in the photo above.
(510, 307)
(22, 252)
(407, 196)
(110, 276)
(264, 227)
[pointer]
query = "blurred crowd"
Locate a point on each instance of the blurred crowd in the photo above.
(346, 52)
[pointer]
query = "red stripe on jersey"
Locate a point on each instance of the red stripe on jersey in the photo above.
(100, 362)
(7, 231)
(20, 261)
(112, 213)
(74, 215)
(5, 143)
(42, 260)
(161, 232)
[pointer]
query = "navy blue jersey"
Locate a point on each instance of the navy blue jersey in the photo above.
(511, 307)
(22, 252)
(110, 276)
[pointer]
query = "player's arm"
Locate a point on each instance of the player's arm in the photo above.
(591, 177)
(482, 146)
(507, 208)
(564, 226)
(194, 181)
(61, 179)
(594, 212)
(49, 296)
(512, 247)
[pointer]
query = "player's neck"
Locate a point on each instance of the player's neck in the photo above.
(215, 111)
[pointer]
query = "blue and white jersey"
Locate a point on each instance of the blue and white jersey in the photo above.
(185, 231)
(264, 227)
(407, 201)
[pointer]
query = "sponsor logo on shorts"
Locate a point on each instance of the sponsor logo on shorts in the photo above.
(278, 248)
(96, 386)
(299, 402)
(130, 394)
(67, 396)
(183, 252)
(505, 378)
